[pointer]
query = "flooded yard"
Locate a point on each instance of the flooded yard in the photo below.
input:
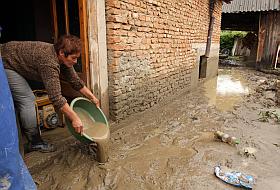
(172, 145)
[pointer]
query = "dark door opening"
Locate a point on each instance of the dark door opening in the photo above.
(28, 20)
(46, 20)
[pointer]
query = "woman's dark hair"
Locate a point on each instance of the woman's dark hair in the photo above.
(69, 44)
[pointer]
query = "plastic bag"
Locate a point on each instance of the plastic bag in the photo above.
(235, 178)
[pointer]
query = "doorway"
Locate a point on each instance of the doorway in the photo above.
(46, 20)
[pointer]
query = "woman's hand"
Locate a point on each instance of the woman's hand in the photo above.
(95, 101)
(87, 93)
(78, 125)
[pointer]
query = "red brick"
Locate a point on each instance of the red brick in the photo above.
(116, 47)
(113, 39)
(113, 3)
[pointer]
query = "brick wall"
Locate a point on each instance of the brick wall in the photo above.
(150, 53)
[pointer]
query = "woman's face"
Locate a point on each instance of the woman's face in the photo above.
(69, 60)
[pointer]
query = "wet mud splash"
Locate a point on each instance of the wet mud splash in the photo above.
(74, 168)
(172, 145)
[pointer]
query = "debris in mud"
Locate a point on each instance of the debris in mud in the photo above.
(5, 182)
(266, 85)
(229, 62)
(235, 178)
(226, 138)
(269, 95)
(194, 118)
(277, 94)
(267, 92)
(228, 163)
(266, 115)
(88, 149)
(249, 152)
(277, 145)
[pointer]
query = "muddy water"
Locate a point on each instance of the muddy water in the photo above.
(172, 145)
(226, 90)
(103, 147)
(98, 131)
(101, 135)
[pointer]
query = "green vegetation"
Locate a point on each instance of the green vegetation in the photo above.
(227, 38)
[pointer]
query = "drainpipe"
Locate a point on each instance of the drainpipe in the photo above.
(210, 29)
(203, 59)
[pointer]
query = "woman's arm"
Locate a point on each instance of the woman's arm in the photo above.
(87, 93)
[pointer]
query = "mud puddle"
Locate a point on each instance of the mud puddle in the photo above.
(226, 90)
(172, 145)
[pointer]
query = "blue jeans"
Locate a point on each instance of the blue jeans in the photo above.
(24, 101)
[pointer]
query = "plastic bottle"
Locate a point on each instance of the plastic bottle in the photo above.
(226, 138)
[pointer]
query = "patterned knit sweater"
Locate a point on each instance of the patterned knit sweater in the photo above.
(38, 61)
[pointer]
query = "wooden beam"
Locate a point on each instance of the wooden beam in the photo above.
(54, 16)
(102, 56)
(98, 52)
(277, 56)
(84, 38)
(261, 37)
(66, 14)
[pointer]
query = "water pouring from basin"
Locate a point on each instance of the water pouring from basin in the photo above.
(95, 127)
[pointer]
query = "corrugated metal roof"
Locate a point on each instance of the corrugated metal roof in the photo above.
(251, 6)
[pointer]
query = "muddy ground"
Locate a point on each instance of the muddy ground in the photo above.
(172, 145)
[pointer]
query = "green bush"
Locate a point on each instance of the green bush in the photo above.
(227, 38)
